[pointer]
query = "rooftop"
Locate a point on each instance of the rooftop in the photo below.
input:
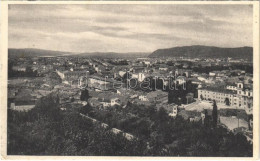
(218, 89)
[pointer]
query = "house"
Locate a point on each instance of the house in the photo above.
(72, 75)
(195, 119)
(231, 87)
(143, 98)
(115, 101)
(104, 125)
(128, 136)
(141, 77)
(121, 73)
(134, 96)
(116, 131)
(101, 84)
(188, 73)
(179, 72)
(201, 78)
(134, 75)
(180, 80)
(147, 63)
(137, 69)
(105, 104)
(22, 107)
(213, 73)
(174, 111)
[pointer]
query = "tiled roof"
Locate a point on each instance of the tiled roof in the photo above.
(218, 89)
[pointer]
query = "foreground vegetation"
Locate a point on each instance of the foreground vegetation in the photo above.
(46, 130)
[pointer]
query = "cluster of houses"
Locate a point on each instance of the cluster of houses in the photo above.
(107, 84)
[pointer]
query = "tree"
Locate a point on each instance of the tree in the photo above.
(201, 97)
(215, 114)
(249, 119)
(84, 95)
(227, 101)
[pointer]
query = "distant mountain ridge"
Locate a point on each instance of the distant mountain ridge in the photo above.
(184, 51)
(198, 51)
(31, 52)
(114, 54)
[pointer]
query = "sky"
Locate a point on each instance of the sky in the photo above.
(128, 27)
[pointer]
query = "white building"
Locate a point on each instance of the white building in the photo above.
(174, 111)
(143, 98)
(242, 98)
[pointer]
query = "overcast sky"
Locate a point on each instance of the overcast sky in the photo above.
(128, 28)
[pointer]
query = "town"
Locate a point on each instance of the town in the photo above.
(144, 79)
(98, 88)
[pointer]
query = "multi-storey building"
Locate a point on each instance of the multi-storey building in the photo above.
(72, 75)
(240, 98)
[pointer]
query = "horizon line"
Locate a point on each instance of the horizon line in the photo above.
(143, 52)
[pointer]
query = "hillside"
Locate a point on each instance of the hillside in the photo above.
(205, 52)
(29, 52)
(113, 54)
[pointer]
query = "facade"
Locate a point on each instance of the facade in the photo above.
(174, 111)
(240, 98)
(115, 101)
(21, 107)
(139, 76)
(231, 87)
(67, 75)
(93, 80)
(143, 98)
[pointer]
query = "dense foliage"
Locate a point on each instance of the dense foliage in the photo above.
(172, 136)
(46, 130)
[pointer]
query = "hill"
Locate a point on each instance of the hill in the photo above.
(30, 52)
(205, 52)
(114, 54)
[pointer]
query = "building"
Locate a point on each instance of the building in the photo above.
(22, 107)
(115, 101)
(139, 76)
(241, 98)
(143, 98)
(174, 111)
(70, 75)
(98, 80)
(102, 84)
